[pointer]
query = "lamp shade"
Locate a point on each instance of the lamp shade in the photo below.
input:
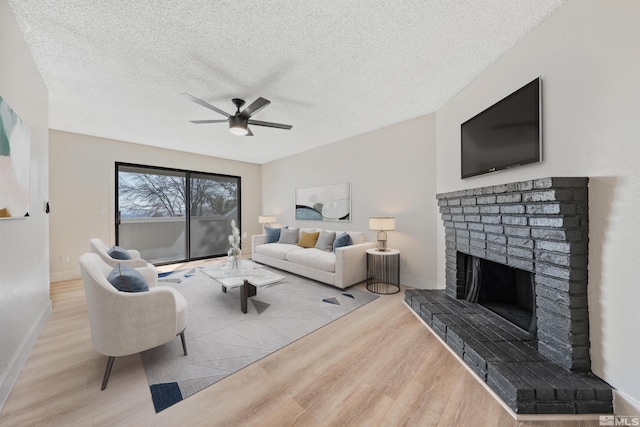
(382, 223)
(266, 219)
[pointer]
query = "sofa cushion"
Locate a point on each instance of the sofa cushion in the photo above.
(116, 252)
(325, 240)
(288, 236)
(308, 240)
(314, 258)
(273, 234)
(277, 250)
(343, 239)
(127, 279)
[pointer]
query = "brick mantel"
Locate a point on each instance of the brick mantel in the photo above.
(539, 226)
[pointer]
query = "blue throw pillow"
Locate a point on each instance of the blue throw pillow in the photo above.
(117, 252)
(127, 279)
(273, 234)
(342, 240)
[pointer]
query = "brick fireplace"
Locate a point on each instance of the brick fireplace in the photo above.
(541, 227)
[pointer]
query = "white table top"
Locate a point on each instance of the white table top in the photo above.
(248, 270)
(383, 253)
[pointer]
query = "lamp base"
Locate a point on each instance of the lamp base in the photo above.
(382, 241)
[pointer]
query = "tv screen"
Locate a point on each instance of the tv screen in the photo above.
(505, 135)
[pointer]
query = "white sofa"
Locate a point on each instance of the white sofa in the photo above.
(342, 268)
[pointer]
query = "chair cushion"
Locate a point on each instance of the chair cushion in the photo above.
(127, 279)
(314, 258)
(289, 236)
(325, 240)
(343, 239)
(116, 252)
(308, 240)
(273, 234)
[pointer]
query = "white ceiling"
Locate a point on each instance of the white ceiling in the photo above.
(331, 68)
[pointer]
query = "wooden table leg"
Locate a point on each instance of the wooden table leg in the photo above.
(244, 296)
(247, 290)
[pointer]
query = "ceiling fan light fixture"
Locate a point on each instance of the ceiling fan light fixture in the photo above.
(238, 126)
(238, 130)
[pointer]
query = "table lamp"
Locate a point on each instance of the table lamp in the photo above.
(265, 220)
(382, 224)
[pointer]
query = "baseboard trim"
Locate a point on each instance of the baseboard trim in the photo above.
(625, 405)
(64, 276)
(10, 376)
(418, 282)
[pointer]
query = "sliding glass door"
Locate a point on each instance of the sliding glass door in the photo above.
(174, 215)
(214, 203)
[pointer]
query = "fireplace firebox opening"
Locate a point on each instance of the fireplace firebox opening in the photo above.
(507, 291)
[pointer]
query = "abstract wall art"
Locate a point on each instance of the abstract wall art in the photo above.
(14, 164)
(325, 203)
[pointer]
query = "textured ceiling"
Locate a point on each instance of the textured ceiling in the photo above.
(331, 68)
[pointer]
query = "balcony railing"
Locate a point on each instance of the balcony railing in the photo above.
(161, 240)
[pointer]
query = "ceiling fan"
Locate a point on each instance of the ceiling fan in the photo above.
(240, 121)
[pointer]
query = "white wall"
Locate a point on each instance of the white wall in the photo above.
(587, 56)
(24, 243)
(392, 173)
(82, 180)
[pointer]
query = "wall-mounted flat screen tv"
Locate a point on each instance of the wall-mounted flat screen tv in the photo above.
(505, 135)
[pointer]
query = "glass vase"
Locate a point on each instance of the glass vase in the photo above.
(233, 259)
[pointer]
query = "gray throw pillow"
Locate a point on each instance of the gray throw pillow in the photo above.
(289, 236)
(127, 279)
(325, 240)
(116, 252)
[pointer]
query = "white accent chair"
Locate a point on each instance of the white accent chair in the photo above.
(124, 323)
(98, 247)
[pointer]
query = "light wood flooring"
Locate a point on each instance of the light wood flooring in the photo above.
(377, 366)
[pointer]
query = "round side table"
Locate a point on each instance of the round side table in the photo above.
(383, 271)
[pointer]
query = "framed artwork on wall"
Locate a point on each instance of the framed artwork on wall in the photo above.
(324, 203)
(14, 164)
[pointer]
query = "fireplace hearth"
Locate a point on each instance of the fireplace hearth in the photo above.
(523, 327)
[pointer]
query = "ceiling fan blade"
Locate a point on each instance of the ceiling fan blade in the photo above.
(205, 104)
(256, 106)
(269, 124)
(199, 122)
(249, 133)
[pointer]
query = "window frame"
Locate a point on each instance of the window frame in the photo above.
(187, 174)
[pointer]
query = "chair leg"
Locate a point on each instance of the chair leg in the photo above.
(184, 343)
(107, 372)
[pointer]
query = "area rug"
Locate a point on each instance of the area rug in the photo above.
(222, 340)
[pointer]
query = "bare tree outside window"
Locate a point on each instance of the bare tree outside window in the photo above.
(144, 195)
(213, 197)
